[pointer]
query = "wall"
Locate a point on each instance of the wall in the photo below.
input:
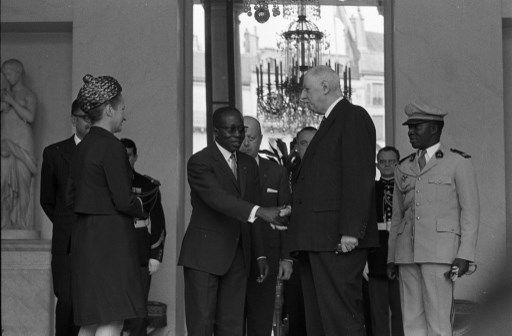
(138, 43)
(47, 61)
(507, 89)
(141, 43)
(449, 53)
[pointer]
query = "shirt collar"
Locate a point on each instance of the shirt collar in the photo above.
(225, 153)
(332, 106)
(431, 151)
(77, 139)
(257, 158)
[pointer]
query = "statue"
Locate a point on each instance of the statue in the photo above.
(18, 165)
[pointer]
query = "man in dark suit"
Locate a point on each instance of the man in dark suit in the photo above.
(150, 232)
(54, 176)
(216, 248)
(333, 209)
(274, 191)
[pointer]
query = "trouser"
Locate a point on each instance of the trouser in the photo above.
(138, 326)
(61, 274)
(214, 304)
(426, 298)
(332, 291)
(261, 298)
(294, 303)
(385, 297)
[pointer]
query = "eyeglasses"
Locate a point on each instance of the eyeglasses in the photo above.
(393, 161)
(233, 129)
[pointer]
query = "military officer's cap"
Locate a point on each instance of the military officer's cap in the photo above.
(418, 113)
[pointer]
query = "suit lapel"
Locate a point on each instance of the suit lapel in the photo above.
(433, 161)
(263, 168)
(221, 162)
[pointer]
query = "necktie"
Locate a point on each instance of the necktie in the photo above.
(422, 161)
(232, 165)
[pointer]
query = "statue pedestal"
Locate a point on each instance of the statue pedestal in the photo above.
(20, 234)
(27, 296)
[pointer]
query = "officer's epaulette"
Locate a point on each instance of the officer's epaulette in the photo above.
(461, 153)
(410, 157)
(154, 181)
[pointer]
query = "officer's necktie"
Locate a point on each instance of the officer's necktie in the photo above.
(422, 161)
(232, 165)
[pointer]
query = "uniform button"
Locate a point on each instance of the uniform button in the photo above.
(417, 191)
(419, 178)
(417, 203)
(418, 217)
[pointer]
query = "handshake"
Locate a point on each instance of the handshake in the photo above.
(275, 216)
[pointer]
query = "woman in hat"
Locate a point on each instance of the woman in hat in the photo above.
(106, 284)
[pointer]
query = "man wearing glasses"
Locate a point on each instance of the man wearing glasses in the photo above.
(54, 176)
(216, 249)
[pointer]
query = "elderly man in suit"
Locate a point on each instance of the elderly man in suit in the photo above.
(216, 248)
(434, 224)
(333, 219)
(274, 191)
(54, 176)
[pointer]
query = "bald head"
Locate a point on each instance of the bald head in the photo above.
(321, 87)
(253, 136)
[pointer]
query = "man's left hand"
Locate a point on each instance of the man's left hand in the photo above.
(285, 270)
(263, 268)
(346, 244)
(462, 265)
(153, 266)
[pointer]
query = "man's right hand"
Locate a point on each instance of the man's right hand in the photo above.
(392, 271)
(269, 214)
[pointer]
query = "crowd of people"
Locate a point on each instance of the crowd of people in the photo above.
(355, 256)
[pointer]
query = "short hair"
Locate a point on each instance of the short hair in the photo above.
(15, 62)
(129, 143)
(389, 149)
(324, 73)
(96, 113)
(75, 107)
(221, 111)
(307, 128)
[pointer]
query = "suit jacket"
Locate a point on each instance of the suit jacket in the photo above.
(435, 211)
(333, 194)
(150, 239)
(54, 176)
(275, 191)
(101, 178)
(221, 206)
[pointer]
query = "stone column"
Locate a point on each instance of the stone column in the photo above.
(219, 53)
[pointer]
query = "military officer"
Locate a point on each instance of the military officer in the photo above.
(434, 224)
(150, 232)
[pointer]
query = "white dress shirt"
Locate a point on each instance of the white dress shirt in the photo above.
(227, 155)
(431, 151)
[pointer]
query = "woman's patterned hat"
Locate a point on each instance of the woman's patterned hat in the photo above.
(96, 91)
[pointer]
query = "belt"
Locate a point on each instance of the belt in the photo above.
(383, 226)
(140, 223)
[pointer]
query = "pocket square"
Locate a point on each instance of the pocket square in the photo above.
(270, 190)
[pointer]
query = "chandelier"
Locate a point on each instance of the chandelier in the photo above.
(262, 11)
(279, 106)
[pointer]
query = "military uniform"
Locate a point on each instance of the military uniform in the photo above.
(150, 236)
(435, 220)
